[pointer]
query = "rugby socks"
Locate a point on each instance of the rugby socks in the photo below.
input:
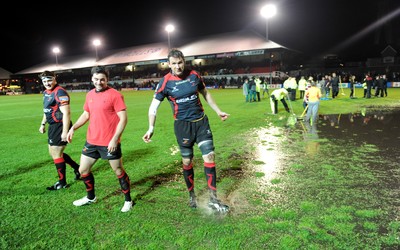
(211, 175)
(88, 179)
(70, 162)
(188, 175)
(60, 165)
(125, 185)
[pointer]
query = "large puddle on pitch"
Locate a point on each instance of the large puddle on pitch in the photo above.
(371, 130)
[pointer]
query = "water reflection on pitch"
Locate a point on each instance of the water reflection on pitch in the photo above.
(374, 127)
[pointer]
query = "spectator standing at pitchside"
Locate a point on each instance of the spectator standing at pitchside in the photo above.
(352, 81)
(335, 85)
(302, 86)
(246, 89)
(369, 82)
(313, 94)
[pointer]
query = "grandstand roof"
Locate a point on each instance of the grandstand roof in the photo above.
(4, 74)
(234, 42)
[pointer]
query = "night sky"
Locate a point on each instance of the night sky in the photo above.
(349, 28)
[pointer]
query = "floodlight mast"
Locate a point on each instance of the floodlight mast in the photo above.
(169, 28)
(96, 43)
(267, 12)
(56, 50)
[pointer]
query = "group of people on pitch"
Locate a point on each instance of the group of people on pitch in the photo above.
(105, 111)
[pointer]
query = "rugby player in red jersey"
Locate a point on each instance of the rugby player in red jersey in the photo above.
(182, 88)
(57, 114)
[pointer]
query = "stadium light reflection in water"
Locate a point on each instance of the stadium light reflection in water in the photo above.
(270, 158)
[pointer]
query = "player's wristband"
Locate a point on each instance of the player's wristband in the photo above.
(43, 124)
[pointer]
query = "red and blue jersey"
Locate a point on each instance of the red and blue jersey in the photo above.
(183, 95)
(52, 101)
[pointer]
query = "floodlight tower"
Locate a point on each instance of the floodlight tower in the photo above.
(267, 12)
(96, 43)
(56, 51)
(169, 28)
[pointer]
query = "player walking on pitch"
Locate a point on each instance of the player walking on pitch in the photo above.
(57, 114)
(182, 87)
(105, 110)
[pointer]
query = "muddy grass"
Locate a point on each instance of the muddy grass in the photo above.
(332, 184)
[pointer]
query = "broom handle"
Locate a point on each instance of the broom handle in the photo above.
(304, 111)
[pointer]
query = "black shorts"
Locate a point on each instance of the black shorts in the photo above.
(97, 152)
(54, 134)
(189, 133)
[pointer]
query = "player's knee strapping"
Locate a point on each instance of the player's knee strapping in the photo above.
(206, 147)
(186, 152)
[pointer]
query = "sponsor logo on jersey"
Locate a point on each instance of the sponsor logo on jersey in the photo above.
(186, 99)
(63, 98)
(181, 82)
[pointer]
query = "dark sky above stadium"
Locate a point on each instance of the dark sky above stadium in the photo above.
(350, 28)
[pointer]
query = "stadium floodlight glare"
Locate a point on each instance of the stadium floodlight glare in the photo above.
(56, 50)
(267, 12)
(96, 43)
(169, 28)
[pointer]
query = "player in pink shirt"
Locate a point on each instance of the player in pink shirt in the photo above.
(105, 110)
